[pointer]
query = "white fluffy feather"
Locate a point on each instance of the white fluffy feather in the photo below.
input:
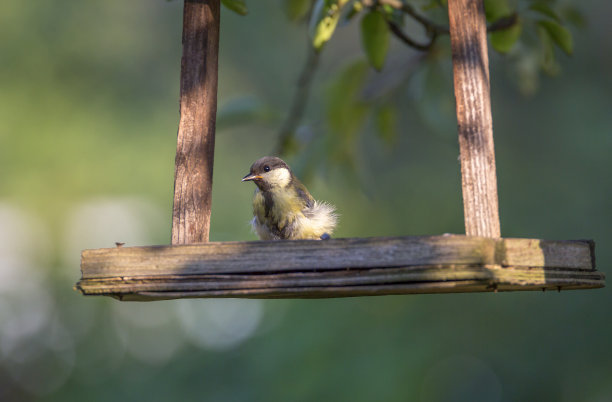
(319, 219)
(312, 223)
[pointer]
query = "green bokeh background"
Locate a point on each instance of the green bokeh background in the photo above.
(88, 120)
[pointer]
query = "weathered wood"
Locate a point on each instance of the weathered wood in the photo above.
(468, 32)
(467, 286)
(333, 254)
(494, 284)
(338, 267)
(196, 134)
(360, 277)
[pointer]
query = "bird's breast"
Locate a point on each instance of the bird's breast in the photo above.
(277, 207)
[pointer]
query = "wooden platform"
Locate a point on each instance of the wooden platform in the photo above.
(339, 268)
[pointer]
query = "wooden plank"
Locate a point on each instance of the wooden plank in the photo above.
(317, 292)
(338, 268)
(468, 286)
(334, 254)
(193, 172)
(286, 280)
(369, 277)
(468, 33)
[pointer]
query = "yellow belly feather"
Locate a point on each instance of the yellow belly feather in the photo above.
(288, 209)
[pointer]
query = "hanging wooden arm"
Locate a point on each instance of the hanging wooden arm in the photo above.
(196, 134)
(468, 32)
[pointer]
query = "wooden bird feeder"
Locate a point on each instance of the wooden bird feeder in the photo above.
(481, 261)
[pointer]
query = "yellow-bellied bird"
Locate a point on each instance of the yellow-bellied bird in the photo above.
(282, 206)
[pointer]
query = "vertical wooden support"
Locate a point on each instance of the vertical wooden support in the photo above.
(468, 33)
(196, 134)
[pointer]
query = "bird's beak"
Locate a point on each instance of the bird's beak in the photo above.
(250, 177)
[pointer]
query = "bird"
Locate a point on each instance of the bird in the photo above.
(283, 209)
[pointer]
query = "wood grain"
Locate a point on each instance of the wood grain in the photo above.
(196, 134)
(338, 267)
(468, 32)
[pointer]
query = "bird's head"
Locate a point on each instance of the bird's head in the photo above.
(269, 173)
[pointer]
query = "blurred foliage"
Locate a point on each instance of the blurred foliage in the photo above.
(88, 120)
(550, 15)
(237, 6)
(527, 32)
(375, 38)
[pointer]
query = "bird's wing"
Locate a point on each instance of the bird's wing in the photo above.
(303, 194)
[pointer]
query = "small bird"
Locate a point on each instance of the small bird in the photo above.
(282, 206)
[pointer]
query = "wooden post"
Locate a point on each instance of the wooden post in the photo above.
(468, 32)
(196, 134)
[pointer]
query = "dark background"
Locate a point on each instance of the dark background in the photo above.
(88, 120)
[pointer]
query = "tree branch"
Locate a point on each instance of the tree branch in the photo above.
(397, 31)
(503, 23)
(298, 104)
(429, 25)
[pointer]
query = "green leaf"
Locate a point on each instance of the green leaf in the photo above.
(548, 63)
(527, 74)
(297, 9)
(237, 6)
(503, 41)
(375, 38)
(496, 9)
(545, 9)
(324, 20)
(386, 122)
(559, 34)
(346, 110)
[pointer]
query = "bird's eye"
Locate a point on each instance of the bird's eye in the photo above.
(266, 168)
